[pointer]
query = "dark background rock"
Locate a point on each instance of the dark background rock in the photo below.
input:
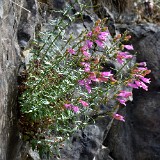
(10, 59)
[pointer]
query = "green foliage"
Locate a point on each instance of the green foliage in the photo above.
(50, 84)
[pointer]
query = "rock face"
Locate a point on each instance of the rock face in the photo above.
(87, 144)
(9, 53)
(10, 20)
(138, 138)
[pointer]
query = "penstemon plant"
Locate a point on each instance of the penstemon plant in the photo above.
(68, 81)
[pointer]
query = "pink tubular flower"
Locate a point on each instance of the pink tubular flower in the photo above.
(141, 68)
(122, 101)
(123, 97)
(86, 54)
(146, 80)
(132, 85)
(89, 34)
(81, 82)
(141, 85)
(102, 79)
(88, 88)
(71, 51)
(92, 76)
(125, 94)
(129, 47)
(118, 117)
(84, 48)
(144, 86)
(85, 82)
(84, 104)
(72, 107)
(75, 109)
(68, 106)
(106, 74)
(103, 36)
(89, 44)
(87, 66)
(121, 56)
(99, 43)
(138, 78)
(143, 64)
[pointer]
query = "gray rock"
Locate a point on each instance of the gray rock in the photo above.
(10, 59)
(27, 24)
(87, 144)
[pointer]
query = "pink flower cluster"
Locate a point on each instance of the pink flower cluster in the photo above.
(138, 79)
(84, 103)
(72, 107)
(123, 97)
(86, 82)
(122, 56)
(76, 109)
(98, 37)
(102, 77)
(86, 66)
(71, 51)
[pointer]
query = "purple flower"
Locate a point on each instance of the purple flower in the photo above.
(84, 48)
(141, 85)
(88, 88)
(87, 66)
(142, 68)
(106, 74)
(121, 56)
(81, 82)
(68, 106)
(99, 43)
(89, 44)
(146, 80)
(71, 51)
(86, 83)
(143, 64)
(84, 104)
(86, 54)
(144, 86)
(75, 109)
(118, 117)
(133, 85)
(89, 34)
(103, 36)
(93, 77)
(122, 101)
(72, 107)
(125, 94)
(129, 47)
(120, 60)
